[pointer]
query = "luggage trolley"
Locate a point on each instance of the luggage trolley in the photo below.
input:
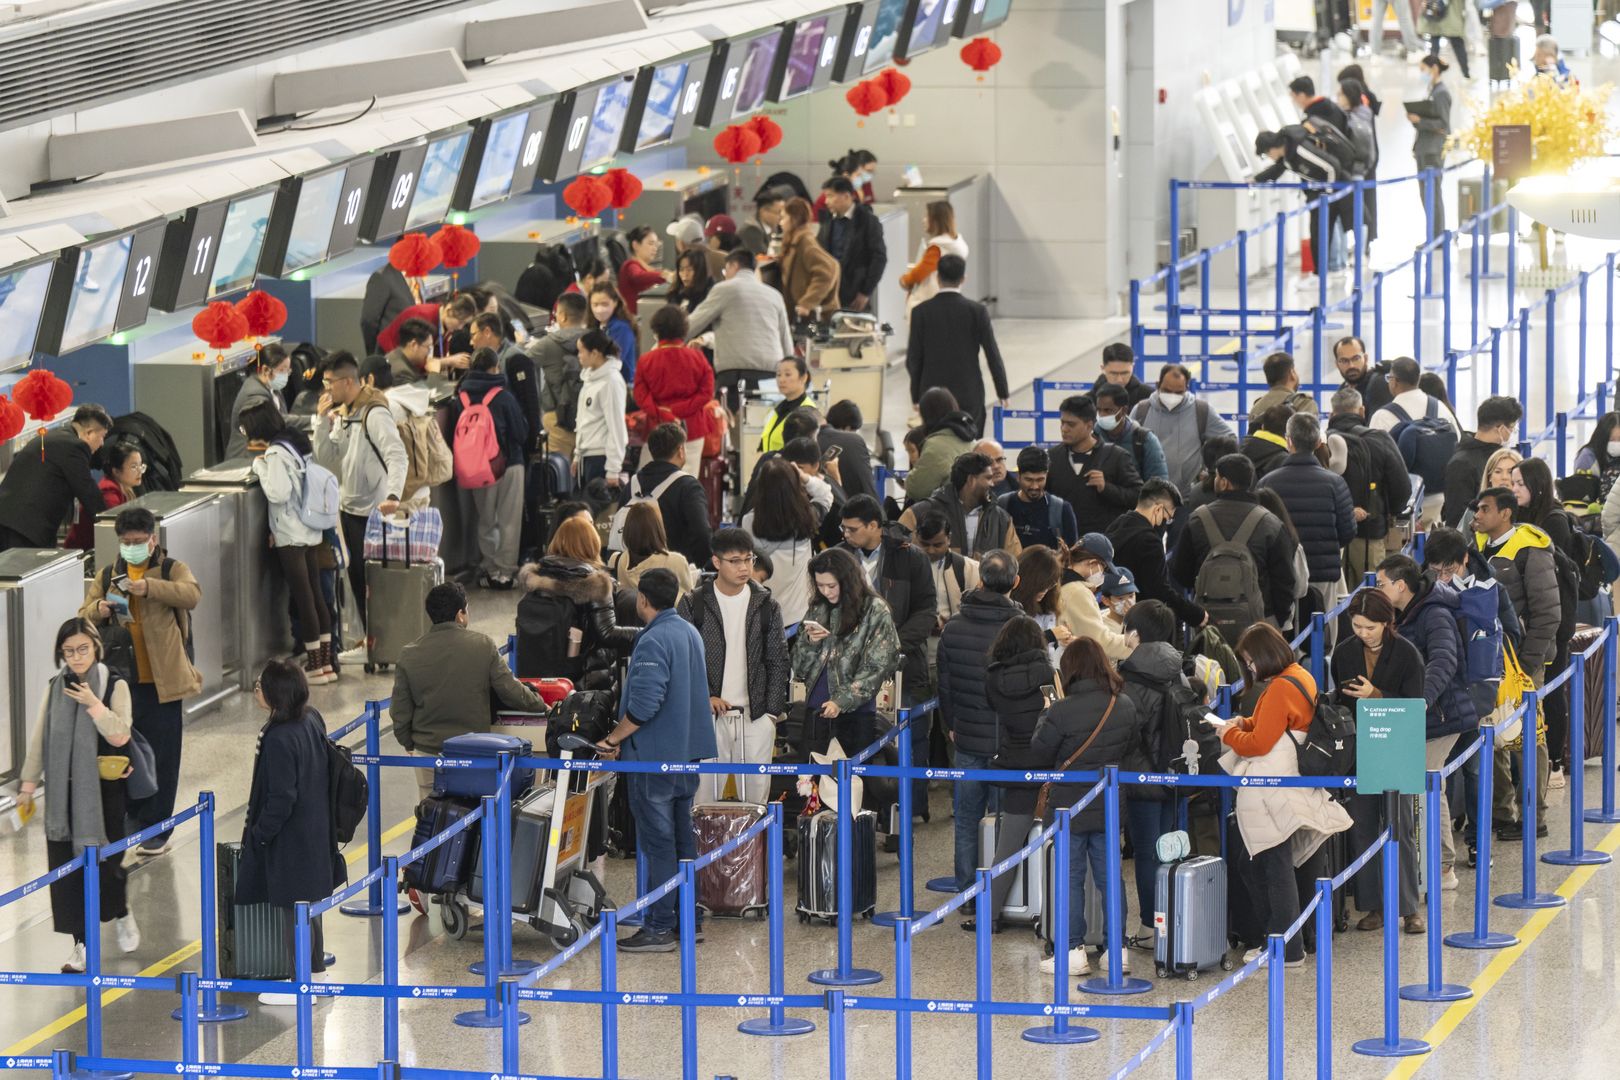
(850, 354)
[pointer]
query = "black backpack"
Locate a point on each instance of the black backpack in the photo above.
(1359, 475)
(543, 622)
(1181, 720)
(164, 470)
(1336, 146)
(1329, 748)
(118, 645)
(346, 789)
(586, 713)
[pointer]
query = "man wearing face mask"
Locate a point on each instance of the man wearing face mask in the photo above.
(1098, 479)
(147, 598)
(1183, 424)
(1493, 429)
(1114, 425)
(1138, 539)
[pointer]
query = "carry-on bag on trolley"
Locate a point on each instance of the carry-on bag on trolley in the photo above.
(818, 865)
(399, 573)
(1189, 917)
(1028, 877)
(445, 868)
(476, 783)
(736, 883)
(255, 940)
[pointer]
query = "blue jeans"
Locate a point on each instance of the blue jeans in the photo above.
(1084, 847)
(1145, 822)
(662, 808)
(972, 799)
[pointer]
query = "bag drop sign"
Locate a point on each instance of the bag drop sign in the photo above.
(1389, 745)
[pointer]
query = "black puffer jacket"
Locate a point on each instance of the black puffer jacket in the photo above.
(1068, 724)
(588, 591)
(1147, 671)
(1319, 504)
(964, 656)
(1013, 688)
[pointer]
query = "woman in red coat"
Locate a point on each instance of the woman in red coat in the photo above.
(639, 272)
(119, 479)
(675, 382)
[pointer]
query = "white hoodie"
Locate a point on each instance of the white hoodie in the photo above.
(599, 428)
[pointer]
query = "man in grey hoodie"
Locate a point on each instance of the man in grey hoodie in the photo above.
(557, 356)
(1182, 422)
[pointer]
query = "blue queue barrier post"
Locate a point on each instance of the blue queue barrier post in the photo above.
(211, 1011)
(92, 967)
(1445, 294)
(1426, 281)
(1606, 814)
(906, 908)
(1318, 648)
(190, 1032)
(1060, 1031)
(1115, 982)
(902, 990)
(390, 966)
(1324, 978)
(494, 913)
(835, 1035)
(1418, 296)
(608, 965)
(1275, 944)
(1392, 1044)
(510, 1056)
(777, 1023)
(845, 974)
(304, 1010)
(1481, 936)
(1578, 854)
(1378, 312)
(1184, 1040)
(687, 897)
(378, 897)
(983, 989)
(1278, 267)
(1436, 988)
(1528, 897)
(501, 830)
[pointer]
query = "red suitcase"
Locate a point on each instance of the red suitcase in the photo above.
(551, 691)
(735, 884)
(712, 474)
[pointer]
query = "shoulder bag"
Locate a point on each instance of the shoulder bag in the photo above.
(1046, 788)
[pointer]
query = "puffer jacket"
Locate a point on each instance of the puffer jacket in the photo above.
(964, 649)
(767, 660)
(856, 663)
(952, 437)
(590, 590)
(1013, 689)
(1266, 450)
(1147, 672)
(1525, 566)
(1064, 729)
(1430, 623)
(1323, 514)
(280, 471)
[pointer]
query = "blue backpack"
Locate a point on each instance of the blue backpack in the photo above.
(1479, 624)
(1426, 444)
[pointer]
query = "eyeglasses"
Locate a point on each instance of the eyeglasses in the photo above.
(78, 652)
(739, 560)
(851, 530)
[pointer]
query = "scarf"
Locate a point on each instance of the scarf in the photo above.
(71, 746)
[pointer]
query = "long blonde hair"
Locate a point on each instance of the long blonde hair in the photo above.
(1507, 454)
(939, 219)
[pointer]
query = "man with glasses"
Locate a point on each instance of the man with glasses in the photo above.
(356, 438)
(1359, 374)
(38, 490)
(1000, 482)
(746, 660)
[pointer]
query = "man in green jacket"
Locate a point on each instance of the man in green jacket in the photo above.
(447, 681)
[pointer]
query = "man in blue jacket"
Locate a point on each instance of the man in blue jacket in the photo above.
(666, 718)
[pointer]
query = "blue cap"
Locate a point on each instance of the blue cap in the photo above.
(1118, 582)
(1097, 546)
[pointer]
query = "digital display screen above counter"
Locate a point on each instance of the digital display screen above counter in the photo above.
(390, 191)
(666, 107)
(190, 248)
(754, 75)
(571, 124)
(608, 115)
(23, 290)
(441, 168)
(811, 54)
(101, 288)
(859, 20)
(925, 27)
(241, 241)
(739, 75)
(976, 16)
(891, 17)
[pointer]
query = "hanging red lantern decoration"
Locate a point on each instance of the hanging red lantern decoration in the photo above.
(587, 196)
(895, 85)
(624, 187)
(415, 255)
(42, 395)
(768, 130)
(12, 419)
(981, 54)
(219, 324)
(737, 144)
(263, 313)
(866, 97)
(458, 245)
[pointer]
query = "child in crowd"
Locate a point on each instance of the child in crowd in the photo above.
(600, 435)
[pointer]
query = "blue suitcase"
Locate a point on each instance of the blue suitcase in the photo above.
(476, 783)
(446, 868)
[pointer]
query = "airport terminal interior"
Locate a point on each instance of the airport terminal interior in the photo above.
(188, 187)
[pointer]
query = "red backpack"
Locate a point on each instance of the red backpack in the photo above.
(477, 450)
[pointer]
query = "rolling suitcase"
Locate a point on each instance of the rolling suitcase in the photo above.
(476, 783)
(396, 599)
(712, 475)
(1029, 889)
(445, 868)
(735, 884)
(531, 828)
(255, 940)
(1189, 917)
(1095, 937)
(818, 865)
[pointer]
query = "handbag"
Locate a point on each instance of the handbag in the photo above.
(111, 766)
(1509, 694)
(1046, 788)
(641, 422)
(714, 443)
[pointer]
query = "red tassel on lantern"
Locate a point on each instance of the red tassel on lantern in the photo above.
(459, 245)
(263, 313)
(981, 54)
(866, 98)
(219, 324)
(895, 85)
(737, 144)
(587, 196)
(12, 419)
(415, 255)
(624, 187)
(768, 130)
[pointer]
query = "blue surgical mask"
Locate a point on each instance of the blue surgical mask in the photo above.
(135, 554)
(1108, 423)
(278, 381)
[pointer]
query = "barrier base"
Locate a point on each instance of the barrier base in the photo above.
(220, 1014)
(98, 1074)
(1519, 901)
(790, 1025)
(1598, 817)
(365, 909)
(1049, 1035)
(1398, 1048)
(482, 1018)
(1443, 992)
(1127, 985)
(518, 968)
(889, 918)
(852, 977)
(945, 885)
(1577, 858)
(1489, 940)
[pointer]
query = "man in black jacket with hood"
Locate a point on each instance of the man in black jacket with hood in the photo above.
(1494, 424)
(39, 487)
(970, 723)
(1319, 504)
(683, 503)
(1092, 475)
(1119, 368)
(1271, 547)
(1360, 374)
(1138, 539)
(1301, 150)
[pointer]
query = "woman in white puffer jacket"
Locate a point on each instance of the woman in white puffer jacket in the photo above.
(921, 279)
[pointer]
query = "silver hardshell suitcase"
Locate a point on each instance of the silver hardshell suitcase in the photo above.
(1094, 911)
(1029, 877)
(1189, 917)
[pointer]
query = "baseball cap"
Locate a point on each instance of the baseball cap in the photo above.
(1097, 546)
(1118, 582)
(688, 230)
(720, 223)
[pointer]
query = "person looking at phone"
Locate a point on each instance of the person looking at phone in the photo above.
(82, 725)
(1376, 662)
(847, 646)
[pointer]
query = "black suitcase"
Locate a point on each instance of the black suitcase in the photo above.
(444, 869)
(255, 940)
(531, 826)
(818, 865)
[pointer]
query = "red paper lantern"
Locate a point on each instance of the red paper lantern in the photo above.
(414, 255)
(768, 130)
(219, 324)
(458, 245)
(587, 196)
(11, 419)
(624, 187)
(981, 54)
(895, 85)
(866, 97)
(264, 313)
(737, 144)
(42, 395)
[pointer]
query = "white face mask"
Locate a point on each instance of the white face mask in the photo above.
(1108, 423)
(1095, 580)
(278, 381)
(1614, 449)
(1170, 401)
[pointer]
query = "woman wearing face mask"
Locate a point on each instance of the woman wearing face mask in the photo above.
(1375, 662)
(1078, 611)
(122, 469)
(266, 378)
(83, 724)
(847, 645)
(857, 167)
(1282, 829)
(1601, 454)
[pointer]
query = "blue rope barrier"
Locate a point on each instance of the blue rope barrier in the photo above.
(1138, 1059)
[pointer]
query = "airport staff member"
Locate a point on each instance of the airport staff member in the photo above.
(38, 490)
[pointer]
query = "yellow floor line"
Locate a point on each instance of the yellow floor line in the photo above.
(170, 962)
(1453, 1017)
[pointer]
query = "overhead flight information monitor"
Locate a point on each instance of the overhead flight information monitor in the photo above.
(924, 26)
(608, 115)
(190, 248)
(754, 76)
(564, 147)
(351, 208)
(812, 50)
(891, 15)
(301, 222)
(665, 104)
(492, 158)
(241, 240)
(389, 194)
(856, 40)
(976, 16)
(22, 301)
(441, 168)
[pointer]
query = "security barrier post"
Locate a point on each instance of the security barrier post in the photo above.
(1580, 337)
(1436, 989)
(1274, 1007)
(1060, 1031)
(845, 974)
(1527, 896)
(211, 1010)
(687, 895)
(1418, 296)
(304, 1009)
(1184, 1040)
(1317, 644)
(1428, 181)
(1378, 312)
(777, 1023)
(902, 745)
(1324, 245)
(189, 1029)
(835, 1034)
(1278, 269)
(1523, 386)
(1115, 981)
(92, 961)
(496, 888)
(1324, 978)
(983, 991)
(1481, 936)
(1606, 814)
(902, 990)
(1496, 360)
(390, 964)
(382, 892)
(608, 960)
(1550, 349)
(1445, 294)
(1392, 1045)
(1578, 854)
(509, 1027)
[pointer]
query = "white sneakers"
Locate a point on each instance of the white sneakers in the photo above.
(358, 656)
(1079, 964)
(278, 999)
(1448, 881)
(1556, 780)
(75, 960)
(127, 933)
(1124, 961)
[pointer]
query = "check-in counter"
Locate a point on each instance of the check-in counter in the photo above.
(504, 255)
(252, 600)
(666, 196)
(190, 529)
(40, 589)
(337, 313)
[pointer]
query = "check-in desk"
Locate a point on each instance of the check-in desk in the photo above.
(40, 589)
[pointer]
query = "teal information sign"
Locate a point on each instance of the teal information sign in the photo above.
(1389, 745)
